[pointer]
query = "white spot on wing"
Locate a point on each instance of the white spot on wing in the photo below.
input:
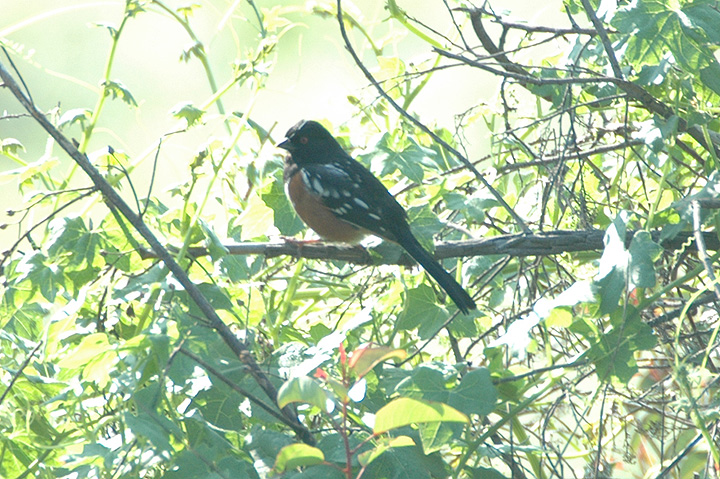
(361, 203)
(317, 186)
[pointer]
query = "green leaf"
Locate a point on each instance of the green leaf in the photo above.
(422, 310)
(217, 297)
(77, 115)
(364, 359)
(70, 237)
(484, 473)
(427, 381)
(196, 50)
(284, 217)
(408, 462)
(91, 346)
(220, 407)
(654, 27)
(116, 89)
(435, 436)
(654, 74)
(42, 274)
(560, 317)
(403, 154)
(188, 9)
(150, 426)
(110, 28)
(213, 243)
(298, 455)
(257, 219)
(406, 411)
(11, 146)
(266, 444)
(475, 394)
(188, 112)
(303, 390)
(643, 254)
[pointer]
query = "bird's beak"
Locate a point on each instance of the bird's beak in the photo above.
(285, 145)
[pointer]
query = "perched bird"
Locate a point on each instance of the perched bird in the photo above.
(342, 201)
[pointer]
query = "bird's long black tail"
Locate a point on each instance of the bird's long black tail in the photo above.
(456, 292)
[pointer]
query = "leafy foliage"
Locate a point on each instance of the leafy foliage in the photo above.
(606, 122)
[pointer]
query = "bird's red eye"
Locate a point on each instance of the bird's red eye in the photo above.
(303, 140)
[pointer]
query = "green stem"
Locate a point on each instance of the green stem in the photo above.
(697, 419)
(198, 213)
(199, 53)
(658, 197)
(287, 301)
(398, 14)
(92, 123)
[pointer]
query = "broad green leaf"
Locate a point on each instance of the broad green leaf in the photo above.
(643, 254)
(284, 217)
(434, 436)
(409, 462)
(90, 347)
(475, 394)
(298, 455)
(213, 243)
(39, 273)
(406, 411)
(71, 237)
(422, 311)
(560, 317)
(304, 390)
(219, 406)
(427, 381)
(257, 219)
(150, 426)
(654, 27)
(364, 358)
(484, 473)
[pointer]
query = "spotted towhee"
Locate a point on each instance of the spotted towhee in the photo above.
(342, 201)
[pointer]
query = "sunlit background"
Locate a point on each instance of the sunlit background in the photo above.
(62, 49)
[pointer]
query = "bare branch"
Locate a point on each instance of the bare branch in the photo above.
(600, 28)
(517, 245)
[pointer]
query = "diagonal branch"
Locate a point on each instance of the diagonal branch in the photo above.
(603, 38)
(115, 201)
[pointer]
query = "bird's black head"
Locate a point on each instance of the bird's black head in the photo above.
(310, 142)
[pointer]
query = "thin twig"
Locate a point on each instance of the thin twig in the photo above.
(422, 126)
(19, 372)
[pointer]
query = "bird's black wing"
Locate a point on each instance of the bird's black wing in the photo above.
(355, 195)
